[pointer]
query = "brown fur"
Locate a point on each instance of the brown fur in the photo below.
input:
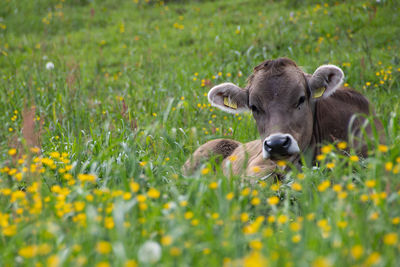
(273, 93)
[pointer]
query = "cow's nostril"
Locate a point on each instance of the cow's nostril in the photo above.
(287, 142)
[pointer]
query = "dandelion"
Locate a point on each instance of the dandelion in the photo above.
(321, 262)
(254, 259)
(153, 193)
(149, 252)
(296, 238)
(342, 145)
(213, 185)
(354, 158)
(296, 187)
(12, 152)
(330, 165)
(396, 220)
(103, 247)
(273, 200)
(295, 226)
(244, 217)
(323, 186)
(370, 183)
(320, 157)
(326, 149)
(205, 171)
(130, 263)
(301, 176)
(229, 196)
(390, 239)
(255, 201)
(175, 251)
(256, 169)
(282, 219)
(188, 215)
(256, 244)
(388, 166)
(166, 240)
(383, 148)
(373, 258)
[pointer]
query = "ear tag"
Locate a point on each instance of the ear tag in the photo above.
(229, 103)
(319, 92)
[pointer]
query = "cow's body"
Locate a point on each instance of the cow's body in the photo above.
(289, 117)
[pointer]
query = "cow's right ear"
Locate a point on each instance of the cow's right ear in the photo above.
(326, 80)
(228, 97)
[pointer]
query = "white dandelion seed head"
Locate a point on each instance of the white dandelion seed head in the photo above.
(49, 65)
(149, 252)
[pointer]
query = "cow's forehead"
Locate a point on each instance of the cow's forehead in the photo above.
(290, 82)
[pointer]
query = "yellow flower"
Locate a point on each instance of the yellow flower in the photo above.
(321, 262)
(390, 239)
(326, 149)
(382, 148)
(103, 264)
(281, 163)
(256, 169)
(255, 201)
(53, 261)
(388, 166)
(354, 158)
(342, 224)
(323, 186)
(320, 157)
(330, 165)
(244, 217)
(109, 223)
(103, 247)
(282, 219)
(273, 200)
(141, 198)
(301, 176)
(205, 171)
(130, 263)
(296, 238)
(153, 193)
(166, 240)
(255, 259)
(296, 187)
(232, 158)
(342, 145)
(28, 252)
(188, 215)
(396, 220)
(373, 258)
(142, 163)
(256, 244)
(175, 251)
(245, 191)
(12, 152)
(370, 183)
(357, 251)
(134, 186)
(213, 185)
(230, 195)
(295, 226)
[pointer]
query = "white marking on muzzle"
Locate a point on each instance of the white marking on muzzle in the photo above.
(293, 148)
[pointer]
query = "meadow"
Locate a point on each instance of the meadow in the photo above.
(103, 101)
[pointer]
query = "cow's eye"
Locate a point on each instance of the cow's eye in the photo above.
(301, 101)
(254, 109)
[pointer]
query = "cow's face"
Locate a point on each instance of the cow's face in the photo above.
(281, 97)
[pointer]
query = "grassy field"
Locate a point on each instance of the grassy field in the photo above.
(102, 102)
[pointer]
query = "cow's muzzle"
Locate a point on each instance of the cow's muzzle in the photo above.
(279, 146)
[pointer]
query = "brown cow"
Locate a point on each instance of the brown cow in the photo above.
(294, 112)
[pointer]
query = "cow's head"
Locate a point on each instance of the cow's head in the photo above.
(281, 97)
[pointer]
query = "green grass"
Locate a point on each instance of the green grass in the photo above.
(126, 103)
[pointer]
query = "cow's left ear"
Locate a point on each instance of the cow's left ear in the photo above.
(326, 80)
(229, 98)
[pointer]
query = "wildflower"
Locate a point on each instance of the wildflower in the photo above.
(342, 224)
(256, 169)
(141, 198)
(255, 201)
(388, 166)
(273, 200)
(153, 193)
(206, 251)
(383, 148)
(295, 226)
(244, 217)
(142, 163)
(188, 215)
(149, 252)
(323, 186)
(28, 252)
(296, 238)
(134, 187)
(130, 263)
(296, 187)
(321, 262)
(342, 145)
(175, 251)
(232, 158)
(281, 163)
(301, 176)
(373, 258)
(370, 183)
(390, 239)
(245, 191)
(229, 196)
(183, 203)
(396, 220)
(320, 157)
(330, 165)
(256, 244)
(166, 240)
(357, 251)
(12, 152)
(282, 219)
(103, 247)
(49, 65)
(213, 185)
(205, 171)
(255, 259)
(326, 149)
(354, 158)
